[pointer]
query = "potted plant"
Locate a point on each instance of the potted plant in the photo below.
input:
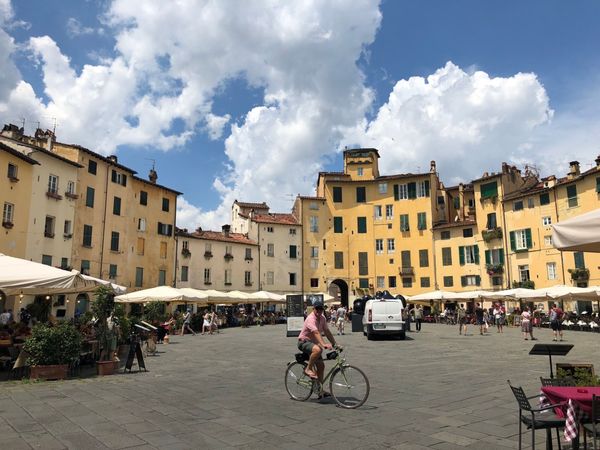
(106, 330)
(51, 349)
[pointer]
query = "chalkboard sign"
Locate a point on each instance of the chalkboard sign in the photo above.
(135, 350)
(295, 314)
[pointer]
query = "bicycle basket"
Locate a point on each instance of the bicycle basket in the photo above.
(332, 355)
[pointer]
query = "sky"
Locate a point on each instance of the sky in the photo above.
(250, 100)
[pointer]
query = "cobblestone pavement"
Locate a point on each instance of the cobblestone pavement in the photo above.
(434, 390)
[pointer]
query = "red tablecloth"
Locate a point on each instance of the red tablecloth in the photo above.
(577, 401)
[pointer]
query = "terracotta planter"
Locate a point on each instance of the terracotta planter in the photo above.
(105, 367)
(54, 372)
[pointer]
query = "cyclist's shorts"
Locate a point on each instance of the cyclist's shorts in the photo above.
(306, 346)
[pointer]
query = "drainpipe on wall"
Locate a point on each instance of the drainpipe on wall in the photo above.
(104, 222)
(562, 261)
(506, 246)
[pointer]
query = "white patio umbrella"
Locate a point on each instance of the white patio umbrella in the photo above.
(159, 293)
(581, 233)
(562, 292)
(515, 294)
(20, 276)
(235, 297)
(117, 289)
(470, 295)
(434, 295)
(266, 297)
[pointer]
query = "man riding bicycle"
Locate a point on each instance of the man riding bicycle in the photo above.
(311, 342)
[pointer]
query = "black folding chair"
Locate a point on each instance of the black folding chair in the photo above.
(593, 427)
(532, 418)
(566, 381)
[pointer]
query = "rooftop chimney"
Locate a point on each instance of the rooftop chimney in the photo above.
(199, 230)
(153, 176)
(598, 161)
(432, 167)
(573, 169)
(113, 159)
(226, 229)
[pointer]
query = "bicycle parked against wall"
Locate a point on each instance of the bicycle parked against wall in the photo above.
(349, 386)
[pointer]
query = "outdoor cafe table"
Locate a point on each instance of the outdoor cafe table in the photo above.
(578, 401)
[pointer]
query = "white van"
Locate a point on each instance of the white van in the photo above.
(383, 317)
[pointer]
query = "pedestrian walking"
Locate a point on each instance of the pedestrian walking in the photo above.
(341, 319)
(499, 317)
(556, 315)
(526, 324)
(461, 316)
(187, 319)
(479, 316)
(417, 313)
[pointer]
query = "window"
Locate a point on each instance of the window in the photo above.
(402, 192)
(404, 226)
(165, 229)
(446, 256)
(598, 184)
(467, 232)
(412, 190)
(491, 221)
(47, 260)
(141, 224)
(313, 206)
(49, 227)
(270, 249)
(163, 250)
(292, 231)
(448, 282)
(421, 221)
(227, 277)
(338, 224)
(530, 202)
(391, 245)
(314, 224)
(363, 283)
(363, 263)
(551, 270)
(456, 202)
(270, 278)
(139, 276)
(143, 198)
(207, 276)
(471, 203)
(12, 172)
(380, 282)
(392, 281)
(117, 206)
(248, 256)
(314, 282)
(377, 212)
(228, 251)
(119, 178)
(572, 196)
(112, 271)
(314, 252)
(496, 281)
(165, 204)
(544, 199)
(114, 241)
(8, 214)
(520, 240)
(406, 282)
(64, 264)
(579, 261)
(85, 267)
(185, 245)
(92, 167)
(445, 235)
(470, 280)
(546, 221)
(162, 277)
(524, 273)
(292, 279)
(383, 188)
(468, 254)
(389, 212)
(361, 194)
(247, 278)
(361, 225)
(68, 229)
(71, 187)
(89, 197)
(378, 246)
(405, 256)
(423, 258)
(292, 252)
(207, 249)
(425, 282)
(423, 188)
(338, 260)
(337, 194)
(489, 190)
(53, 184)
(141, 244)
(494, 257)
(518, 205)
(359, 171)
(548, 241)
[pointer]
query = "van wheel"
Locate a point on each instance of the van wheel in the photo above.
(369, 336)
(402, 335)
(364, 333)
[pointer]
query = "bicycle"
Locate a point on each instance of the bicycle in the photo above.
(348, 385)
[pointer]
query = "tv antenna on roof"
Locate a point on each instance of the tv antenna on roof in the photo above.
(153, 162)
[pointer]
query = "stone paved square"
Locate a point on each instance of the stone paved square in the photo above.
(434, 390)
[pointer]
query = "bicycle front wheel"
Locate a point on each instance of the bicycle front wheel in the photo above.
(349, 387)
(297, 384)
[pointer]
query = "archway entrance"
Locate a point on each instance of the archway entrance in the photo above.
(339, 290)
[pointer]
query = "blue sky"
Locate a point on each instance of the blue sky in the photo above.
(250, 100)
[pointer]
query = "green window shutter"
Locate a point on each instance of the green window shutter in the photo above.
(463, 280)
(513, 241)
(501, 255)
(412, 190)
(488, 259)
(476, 251)
(461, 255)
(572, 191)
(528, 238)
(337, 194)
(456, 202)
(579, 261)
(489, 190)
(426, 188)
(544, 199)
(396, 192)
(338, 224)
(477, 280)
(598, 184)
(361, 223)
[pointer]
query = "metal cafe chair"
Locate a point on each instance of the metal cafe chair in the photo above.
(593, 427)
(532, 418)
(566, 381)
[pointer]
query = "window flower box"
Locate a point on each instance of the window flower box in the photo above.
(489, 235)
(208, 254)
(494, 269)
(54, 195)
(580, 274)
(71, 195)
(228, 256)
(186, 253)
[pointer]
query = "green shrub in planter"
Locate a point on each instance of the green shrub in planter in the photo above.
(53, 345)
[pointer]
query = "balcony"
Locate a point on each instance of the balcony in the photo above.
(494, 233)
(494, 269)
(407, 271)
(580, 274)
(527, 284)
(248, 258)
(13, 178)
(53, 194)
(248, 283)
(208, 255)
(7, 224)
(185, 252)
(48, 234)
(228, 256)
(68, 235)
(71, 195)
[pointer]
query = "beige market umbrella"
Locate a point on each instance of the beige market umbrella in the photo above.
(581, 233)
(117, 289)
(159, 293)
(266, 297)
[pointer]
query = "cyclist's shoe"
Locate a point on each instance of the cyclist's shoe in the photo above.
(324, 394)
(310, 373)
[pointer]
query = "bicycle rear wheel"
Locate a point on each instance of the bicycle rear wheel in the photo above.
(349, 387)
(297, 384)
